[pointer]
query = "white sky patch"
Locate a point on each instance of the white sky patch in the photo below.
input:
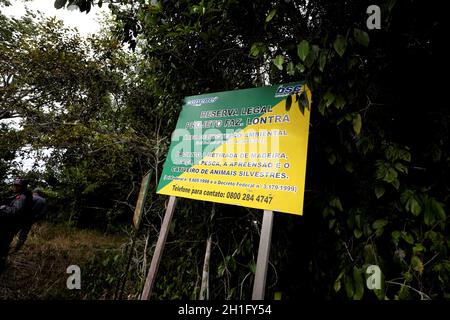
(27, 158)
(12, 123)
(85, 23)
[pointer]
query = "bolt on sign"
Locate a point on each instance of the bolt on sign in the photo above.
(244, 147)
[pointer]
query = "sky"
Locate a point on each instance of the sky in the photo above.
(85, 23)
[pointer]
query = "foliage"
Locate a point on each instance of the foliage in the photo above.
(378, 161)
(38, 270)
(74, 97)
(372, 189)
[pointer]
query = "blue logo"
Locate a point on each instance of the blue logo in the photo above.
(284, 91)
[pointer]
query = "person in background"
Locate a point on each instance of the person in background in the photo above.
(12, 217)
(38, 212)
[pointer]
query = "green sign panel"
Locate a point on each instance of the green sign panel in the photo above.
(243, 147)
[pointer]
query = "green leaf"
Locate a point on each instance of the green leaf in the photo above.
(172, 227)
(271, 15)
(357, 233)
(332, 158)
(349, 167)
(340, 102)
(322, 60)
(231, 263)
(84, 6)
(303, 49)
(405, 155)
(337, 285)
(396, 237)
(322, 108)
(408, 276)
(407, 237)
(336, 203)
(278, 62)
(288, 102)
(405, 196)
(353, 62)
(401, 167)
(379, 232)
(252, 266)
(358, 220)
(340, 45)
(418, 248)
(417, 264)
(413, 206)
(328, 212)
(290, 68)
(369, 254)
(301, 107)
(359, 284)
(429, 218)
(396, 184)
(331, 223)
(221, 269)
(60, 3)
(367, 230)
(380, 223)
(391, 175)
(329, 98)
(300, 67)
(341, 274)
(349, 289)
(257, 49)
(361, 37)
(438, 209)
(357, 124)
(432, 235)
(303, 99)
(379, 191)
(312, 56)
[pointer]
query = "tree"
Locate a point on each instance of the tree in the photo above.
(67, 97)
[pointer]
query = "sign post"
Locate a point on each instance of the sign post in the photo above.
(262, 262)
(154, 265)
(244, 147)
(137, 217)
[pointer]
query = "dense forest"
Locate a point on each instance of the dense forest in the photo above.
(99, 113)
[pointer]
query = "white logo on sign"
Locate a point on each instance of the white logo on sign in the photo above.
(374, 20)
(200, 101)
(374, 280)
(74, 280)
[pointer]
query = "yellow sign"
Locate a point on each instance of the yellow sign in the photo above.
(244, 147)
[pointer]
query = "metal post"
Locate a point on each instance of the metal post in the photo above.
(259, 285)
(165, 227)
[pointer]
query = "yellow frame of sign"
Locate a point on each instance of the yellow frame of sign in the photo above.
(244, 147)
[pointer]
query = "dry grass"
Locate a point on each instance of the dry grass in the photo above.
(38, 271)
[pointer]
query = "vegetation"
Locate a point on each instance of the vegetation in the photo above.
(38, 271)
(378, 158)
